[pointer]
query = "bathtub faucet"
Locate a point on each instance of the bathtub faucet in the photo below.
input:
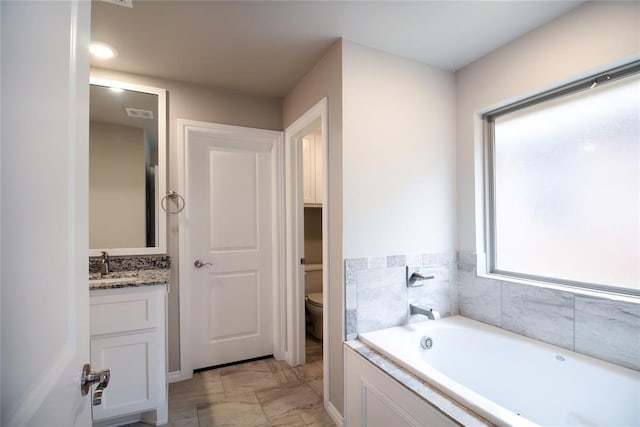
(430, 313)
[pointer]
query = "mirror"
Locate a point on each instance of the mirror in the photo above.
(127, 168)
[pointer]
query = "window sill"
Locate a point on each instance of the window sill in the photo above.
(613, 294)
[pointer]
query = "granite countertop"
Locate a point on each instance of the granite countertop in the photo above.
(130, 279)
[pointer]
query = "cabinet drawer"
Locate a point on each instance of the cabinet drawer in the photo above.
(124, 312)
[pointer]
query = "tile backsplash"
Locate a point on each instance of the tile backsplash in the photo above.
(602, 327)
(131, 262)
(377, 297)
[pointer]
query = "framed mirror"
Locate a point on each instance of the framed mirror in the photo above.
(127, 168)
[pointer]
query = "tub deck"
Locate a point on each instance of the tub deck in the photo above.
(510, 379)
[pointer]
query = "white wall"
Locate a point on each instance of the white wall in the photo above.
(325, 80)
(391, 164)
(588, 39)
(399, 155)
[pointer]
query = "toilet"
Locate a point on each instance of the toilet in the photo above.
(313, 299)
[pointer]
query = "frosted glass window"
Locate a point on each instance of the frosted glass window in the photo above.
(566, 188)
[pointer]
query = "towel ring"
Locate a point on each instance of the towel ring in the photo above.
(176, 198)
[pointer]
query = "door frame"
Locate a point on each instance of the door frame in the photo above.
(294, 211)
(185, 128)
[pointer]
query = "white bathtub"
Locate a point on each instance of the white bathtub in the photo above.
(510, 379)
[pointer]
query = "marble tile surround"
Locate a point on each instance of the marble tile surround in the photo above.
(376, 295)
(602, 327)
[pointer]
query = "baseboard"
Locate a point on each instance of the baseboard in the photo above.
(334, 414)
(118, 421)
(174, 377)
(158, 417)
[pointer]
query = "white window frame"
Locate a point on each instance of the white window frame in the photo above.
(486, 262)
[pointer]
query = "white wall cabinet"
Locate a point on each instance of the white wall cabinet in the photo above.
(128, 336)
(312, 168)
(375, 399)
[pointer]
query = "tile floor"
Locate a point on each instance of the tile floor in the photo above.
(313, 350)
(261, 393)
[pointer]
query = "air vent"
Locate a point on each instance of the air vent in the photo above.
(139, 114)
(124, 3)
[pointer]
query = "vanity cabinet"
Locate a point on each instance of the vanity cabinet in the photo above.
(373, 398)
(312, 167)
(128, 336)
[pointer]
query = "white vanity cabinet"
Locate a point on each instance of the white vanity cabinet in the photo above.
(373, 398)
(312, 169)
(128, 336)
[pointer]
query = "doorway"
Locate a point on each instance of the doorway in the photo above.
(307, 230)
(312, 184)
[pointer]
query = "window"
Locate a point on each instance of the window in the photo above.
(563, 184)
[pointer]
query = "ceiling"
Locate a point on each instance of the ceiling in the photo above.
(266, 47)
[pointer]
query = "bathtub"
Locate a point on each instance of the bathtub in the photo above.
(510, 379)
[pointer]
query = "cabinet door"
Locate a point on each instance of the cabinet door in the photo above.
(374, 399)
(309, 169)
(319, 168)
(133, 385)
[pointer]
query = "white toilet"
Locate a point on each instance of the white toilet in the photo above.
(313, 298)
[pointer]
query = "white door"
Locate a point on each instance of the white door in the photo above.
(231, 228)
(45, 140)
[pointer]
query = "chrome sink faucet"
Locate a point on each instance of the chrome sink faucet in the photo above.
(430, 313)
(105, 267)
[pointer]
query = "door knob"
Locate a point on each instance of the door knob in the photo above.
(200, 264)
(89, 378)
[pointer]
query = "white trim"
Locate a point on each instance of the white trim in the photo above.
(184, 127)
(1, 143)
(295, 351)
(161, 226)
(186, 371)
(592, 293)
(334, 414)
(323, 106)
(118, 421)
(294, 308)
(278, 224)
(293, 216)
(174, 377)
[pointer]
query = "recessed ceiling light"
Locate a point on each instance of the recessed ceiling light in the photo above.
(102, 50)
